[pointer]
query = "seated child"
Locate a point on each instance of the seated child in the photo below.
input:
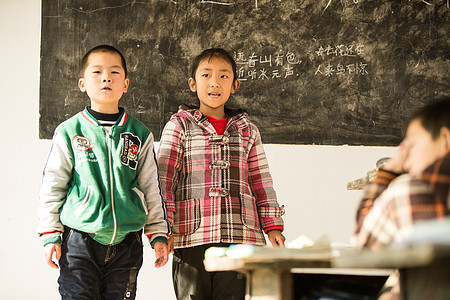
(397, 200)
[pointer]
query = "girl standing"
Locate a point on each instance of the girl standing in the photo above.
(215, 182)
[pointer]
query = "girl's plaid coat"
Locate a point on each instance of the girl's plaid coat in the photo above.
(217, 188)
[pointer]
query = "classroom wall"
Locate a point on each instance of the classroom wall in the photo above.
(310, 180)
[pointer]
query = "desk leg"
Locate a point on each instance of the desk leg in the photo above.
(269, 284)
(428, 282)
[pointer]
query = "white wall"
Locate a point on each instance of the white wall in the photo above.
(310, 180)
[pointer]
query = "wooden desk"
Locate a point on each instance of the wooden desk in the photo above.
(272, 274)
(276, 274)
(424, 268)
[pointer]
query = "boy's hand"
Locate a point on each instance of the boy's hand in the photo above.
(397, 163)
(161, 254)
(49, 250)
(170, 244)
(276, 238)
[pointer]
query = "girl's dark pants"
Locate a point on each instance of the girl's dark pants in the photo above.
(192, 281)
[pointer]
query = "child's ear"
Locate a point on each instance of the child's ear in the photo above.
(81, 85)
(192, 84)
(235, 86)
(445, 135)
(126, 84)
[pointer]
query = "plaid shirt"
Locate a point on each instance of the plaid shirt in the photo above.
(392, 205)
(217, 188)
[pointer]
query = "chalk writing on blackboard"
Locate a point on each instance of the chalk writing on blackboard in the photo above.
(329, 70)
(341, 68)
(220, 2)
(341, 50)
(266, 66)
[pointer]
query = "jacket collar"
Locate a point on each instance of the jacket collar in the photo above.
(91, 119)
(237, 118)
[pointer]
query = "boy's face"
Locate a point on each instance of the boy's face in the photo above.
(104, 81)
(422, 149)
(213, 84)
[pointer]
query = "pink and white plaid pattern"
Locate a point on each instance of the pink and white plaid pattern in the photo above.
(217, 188)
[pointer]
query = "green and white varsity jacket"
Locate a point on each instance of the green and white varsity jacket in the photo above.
(105, 184)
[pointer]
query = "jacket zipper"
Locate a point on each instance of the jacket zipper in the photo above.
(111, 183)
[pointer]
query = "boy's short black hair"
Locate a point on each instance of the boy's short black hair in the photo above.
(209, 54)
(101, 48)
(434, 116)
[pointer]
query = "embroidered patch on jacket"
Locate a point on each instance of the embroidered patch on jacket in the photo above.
(130, 149)
(84, 146)
(81, 143)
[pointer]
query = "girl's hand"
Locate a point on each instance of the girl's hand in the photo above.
(50, 250)
(276, 238)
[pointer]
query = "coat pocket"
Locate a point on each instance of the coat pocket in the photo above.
(249, 214)
(187, 217)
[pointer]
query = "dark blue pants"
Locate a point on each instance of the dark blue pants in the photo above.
(192, 282)
(90, 270)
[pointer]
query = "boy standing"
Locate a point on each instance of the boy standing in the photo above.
(100, 189)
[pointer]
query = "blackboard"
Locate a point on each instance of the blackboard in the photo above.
(318, 72)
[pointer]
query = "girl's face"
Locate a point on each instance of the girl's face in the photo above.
(213, 84)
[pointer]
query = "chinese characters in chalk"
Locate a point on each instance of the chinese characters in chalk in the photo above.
(265, 67)
(343, 67)
(338, 60)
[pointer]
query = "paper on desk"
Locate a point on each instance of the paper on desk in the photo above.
(303, 241)
(303, 246)
(233, 251)
(321, 245)
(300, 242)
